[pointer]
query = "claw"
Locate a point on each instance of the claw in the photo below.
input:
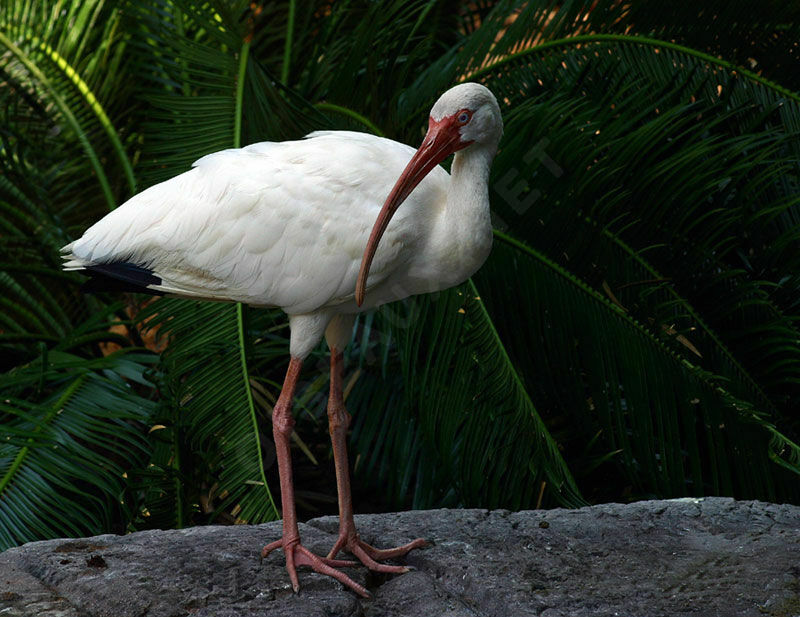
(369, 555)
(299, 555)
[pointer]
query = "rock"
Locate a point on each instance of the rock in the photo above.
(710, 557)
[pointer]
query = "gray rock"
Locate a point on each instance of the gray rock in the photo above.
(707, 557)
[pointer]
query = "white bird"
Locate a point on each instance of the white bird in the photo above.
(299, 225)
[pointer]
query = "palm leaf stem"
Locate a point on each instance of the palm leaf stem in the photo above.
(18, 460)
(346, 111)
(641, 40)
(237, 118)
(70, 118)
(237, 140)
(287, 48)
(566, 474)
(250, 405)
(96, 107)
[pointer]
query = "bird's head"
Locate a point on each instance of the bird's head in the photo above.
(466, 115)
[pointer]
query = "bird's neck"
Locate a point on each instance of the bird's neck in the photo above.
(465, 230)
(468, 193)
(471, 166)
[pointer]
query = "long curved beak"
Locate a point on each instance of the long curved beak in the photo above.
(443, 138)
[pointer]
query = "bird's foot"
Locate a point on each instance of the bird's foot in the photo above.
(369, 555)
(299, 555)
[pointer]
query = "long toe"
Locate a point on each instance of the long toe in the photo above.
(373, 565)
(380, 554)
(298, 555)
(371, 556)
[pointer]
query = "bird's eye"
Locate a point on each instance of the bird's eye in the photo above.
(464, 116)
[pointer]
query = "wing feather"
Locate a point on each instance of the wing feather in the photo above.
(280, 224)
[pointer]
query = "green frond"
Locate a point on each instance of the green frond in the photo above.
(207, 93)
(62, 159)
(71, 430)
(718, 29)
(206, 379)
(612, 374)
(476, 426)
(50, 67)
(633, 334)
(686, 201)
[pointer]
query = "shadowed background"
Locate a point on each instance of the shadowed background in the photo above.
(633, 334)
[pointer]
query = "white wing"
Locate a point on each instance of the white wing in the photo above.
(280, 224)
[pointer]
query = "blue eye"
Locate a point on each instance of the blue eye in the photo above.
(463, 117)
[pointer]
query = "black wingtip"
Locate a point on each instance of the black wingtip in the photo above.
(120, 276)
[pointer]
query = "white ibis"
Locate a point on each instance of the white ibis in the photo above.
(286, 224)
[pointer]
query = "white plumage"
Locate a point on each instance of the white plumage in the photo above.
(272, 224)
(285, 224)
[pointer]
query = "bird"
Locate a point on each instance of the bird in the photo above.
(315, 227)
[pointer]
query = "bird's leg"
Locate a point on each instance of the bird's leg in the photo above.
(296, 553)
(338, 421)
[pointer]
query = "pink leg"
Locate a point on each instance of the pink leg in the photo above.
(296, 553)
(338, 421)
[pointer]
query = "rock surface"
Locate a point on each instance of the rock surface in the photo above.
(706, 557)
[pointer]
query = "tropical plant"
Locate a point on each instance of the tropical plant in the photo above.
(633, 334)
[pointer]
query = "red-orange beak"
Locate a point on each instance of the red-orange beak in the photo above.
(442, 140)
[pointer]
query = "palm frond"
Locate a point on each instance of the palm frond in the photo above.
(648, 170)
(476, 431)
(71, 430)
(61, 91)
(361, 55)
(198, 105)
(719, 29)
(207, 378)
(71, 69)
(737, 191)
(623, 379)
(636, 324)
